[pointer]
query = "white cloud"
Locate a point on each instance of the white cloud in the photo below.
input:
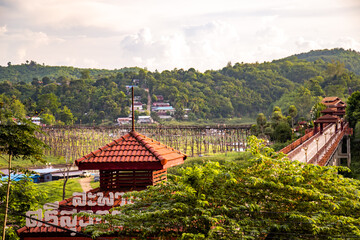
(21, 54)
(3, 30)
(272, 35)
(159, 34)
(307, 45)
(347, 43)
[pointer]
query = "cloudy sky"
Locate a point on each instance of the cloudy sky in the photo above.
(168, 34)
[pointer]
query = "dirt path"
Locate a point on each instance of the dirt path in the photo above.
(85, 184)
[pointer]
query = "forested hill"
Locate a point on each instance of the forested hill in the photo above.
(350, 58)
(28, 71)
(237, 90)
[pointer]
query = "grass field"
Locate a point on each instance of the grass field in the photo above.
(94, 184)
(20, 163)
(54, 189)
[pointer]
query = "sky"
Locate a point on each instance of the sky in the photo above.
(168, 34)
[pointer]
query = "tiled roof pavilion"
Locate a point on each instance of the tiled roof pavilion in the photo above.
(132, 151)
(131, 162)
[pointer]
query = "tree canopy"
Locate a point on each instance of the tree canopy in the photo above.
(353, 109)
(271, 197)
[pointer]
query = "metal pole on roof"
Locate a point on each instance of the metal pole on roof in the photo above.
(132, 106)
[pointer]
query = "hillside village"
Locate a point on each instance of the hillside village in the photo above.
(161, 108)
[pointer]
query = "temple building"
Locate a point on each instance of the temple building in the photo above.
(334, 106)
(334, 113)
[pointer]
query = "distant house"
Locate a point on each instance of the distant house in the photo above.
(160, 104)
(123, 121)
(128, 88)
(160, 98)
(165, 117)
(138, 106)
(164, 110)
(36, 120)
(52, 174)
(145, 120)
(136, 82)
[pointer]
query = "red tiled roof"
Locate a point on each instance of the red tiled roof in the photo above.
(132, 151)
(331, 110)
(327, 119)
(332, 102)
(330, 99)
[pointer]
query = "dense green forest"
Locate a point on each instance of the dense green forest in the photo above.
(70, 95)
(349, 58)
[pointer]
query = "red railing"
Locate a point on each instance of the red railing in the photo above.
(293, 149)
(330, 151)
(297, 143)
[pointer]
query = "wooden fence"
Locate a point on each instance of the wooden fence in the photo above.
(77, 141)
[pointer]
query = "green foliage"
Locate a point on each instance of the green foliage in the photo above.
(349, 57)
(293, 113)
(65, 115)
(19, 141)
(282, 132)
(261, 122)
(315, 112)
(353, 109)
(48, 102)
(26, 72)
(272, 197)
(25, 196)
(48, 119)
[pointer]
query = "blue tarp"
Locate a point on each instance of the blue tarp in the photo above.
(17, 177)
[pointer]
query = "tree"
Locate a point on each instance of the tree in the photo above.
(25, 196)
(85, 74)
(11, 108)
(266, 197)
(35, 82)
(66, 116)
(315, 112)
(48, 119)
(261, 122)
(46, 80)
(179, 112)
(155, 116)
(353, 109)
(18, 108)
(282, 132)
(17, 139)
(48, 101)
(276, 116)
(293, 113)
